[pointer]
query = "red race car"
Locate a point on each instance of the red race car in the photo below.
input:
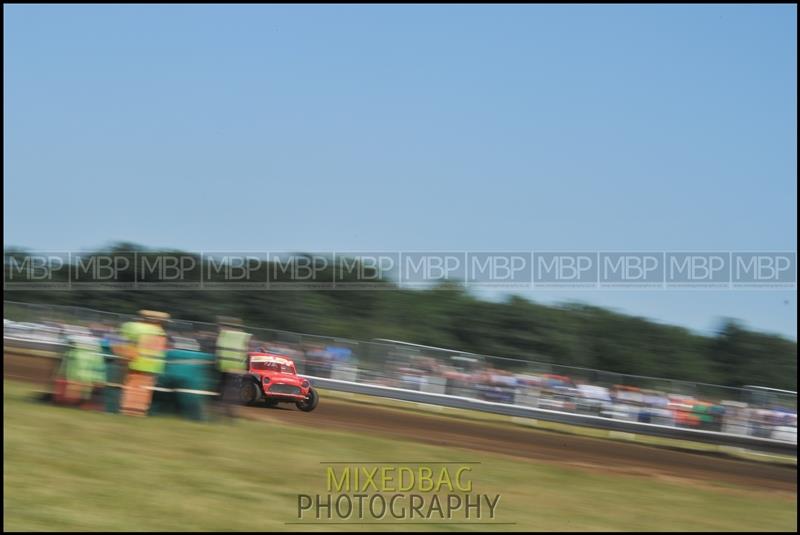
(273, 379)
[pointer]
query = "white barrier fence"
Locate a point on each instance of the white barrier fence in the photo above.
(433, 390)
(521, 411)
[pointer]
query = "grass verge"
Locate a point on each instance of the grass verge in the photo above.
(66, 469)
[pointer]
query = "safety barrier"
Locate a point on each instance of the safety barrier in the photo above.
(423, 374)
(52, 351)
(520, 411)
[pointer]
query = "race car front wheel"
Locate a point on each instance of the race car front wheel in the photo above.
(310, 402)
(248, 393)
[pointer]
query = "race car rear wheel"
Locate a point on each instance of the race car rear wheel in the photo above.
(310, 402)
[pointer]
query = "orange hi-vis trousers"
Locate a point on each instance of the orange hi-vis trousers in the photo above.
(137, 393)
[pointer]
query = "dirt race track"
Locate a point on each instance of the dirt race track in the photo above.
(542, 446)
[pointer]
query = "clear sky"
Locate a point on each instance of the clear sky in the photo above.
(411, 127)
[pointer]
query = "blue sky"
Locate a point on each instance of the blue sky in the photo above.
(411, 127)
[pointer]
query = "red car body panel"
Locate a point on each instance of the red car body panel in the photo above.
(277, 376)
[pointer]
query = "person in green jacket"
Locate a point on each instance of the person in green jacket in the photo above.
(231, 352)
(144, 347)
(82, 368)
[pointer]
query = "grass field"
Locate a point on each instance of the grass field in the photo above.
(66, 469)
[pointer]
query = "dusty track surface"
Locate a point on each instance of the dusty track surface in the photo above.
(583, 452)
(543, 446)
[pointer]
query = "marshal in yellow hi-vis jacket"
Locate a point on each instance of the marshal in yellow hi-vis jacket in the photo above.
(144, 346)
(232, 345)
